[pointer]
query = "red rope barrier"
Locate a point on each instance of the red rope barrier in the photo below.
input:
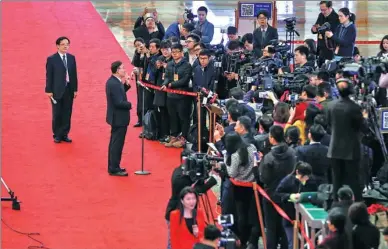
(278, 209)
(169, 90)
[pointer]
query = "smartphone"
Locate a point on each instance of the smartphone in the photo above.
(257, 156)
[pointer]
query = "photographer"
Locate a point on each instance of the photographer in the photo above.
(178, 75)
(147, 26)
(330, 16)
(203, 77)
(204, 26)
(345, 35)
(239, 163)
(301, 59)
(190, 55)
(175, 29)
(211, 238)
(160, 98)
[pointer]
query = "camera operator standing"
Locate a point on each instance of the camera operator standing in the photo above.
(330, 16)
(204, 26)
(346, 121)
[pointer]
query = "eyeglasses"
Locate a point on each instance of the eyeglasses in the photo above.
(188, 41)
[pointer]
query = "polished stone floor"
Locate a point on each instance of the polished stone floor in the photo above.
(371, 16)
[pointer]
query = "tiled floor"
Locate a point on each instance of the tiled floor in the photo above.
(120, 16)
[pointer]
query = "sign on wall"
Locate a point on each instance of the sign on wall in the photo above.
(249, 10)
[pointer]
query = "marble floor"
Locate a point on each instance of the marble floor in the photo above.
(371, 18)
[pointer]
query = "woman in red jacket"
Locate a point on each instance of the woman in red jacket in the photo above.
(187, 224)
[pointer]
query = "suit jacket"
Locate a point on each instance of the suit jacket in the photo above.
(346, 122)
(56, 75)
(118, 107)
(181, 238)
(316, 155)
(258, 45)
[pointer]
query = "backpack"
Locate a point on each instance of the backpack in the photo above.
(150, 125)
(192, 138)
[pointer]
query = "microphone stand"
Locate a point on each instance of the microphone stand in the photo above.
(142, 171)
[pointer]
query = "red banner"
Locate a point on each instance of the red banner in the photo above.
(278, 209)
(169, 90)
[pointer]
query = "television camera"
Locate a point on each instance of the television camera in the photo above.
(228, 239)
(189, 16)
(290, 23)
(198, 165)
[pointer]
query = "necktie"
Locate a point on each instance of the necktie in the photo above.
(262, 37)
(65, 64)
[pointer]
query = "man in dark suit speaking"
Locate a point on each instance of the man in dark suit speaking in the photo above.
(347, 122)
(117, 116)
(61, 88)
(263, 34)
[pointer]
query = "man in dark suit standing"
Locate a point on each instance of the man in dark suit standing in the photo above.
(346, 121)
(61, 88)
(117, 116)
(263, 34)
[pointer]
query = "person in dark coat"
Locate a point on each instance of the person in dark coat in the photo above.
(148, 27)
(117, 116)
(347, 122)
(61, 88)
(289, 190)
(263, 34)
(337, 238)
(358, 214)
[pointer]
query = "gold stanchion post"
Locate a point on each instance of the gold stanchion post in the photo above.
(199, 120)
(260, 214)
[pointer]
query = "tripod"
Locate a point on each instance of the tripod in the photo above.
(290, 38)
(204, 199)
(142, 171)
(13, 198)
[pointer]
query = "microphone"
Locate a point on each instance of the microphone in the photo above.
(194, 217)
(53, 100)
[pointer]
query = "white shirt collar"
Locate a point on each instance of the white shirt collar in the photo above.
(61, 55)
(117, 77)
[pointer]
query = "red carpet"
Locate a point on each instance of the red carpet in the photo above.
(66, 193)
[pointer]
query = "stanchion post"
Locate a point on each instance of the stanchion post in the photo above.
(199, 120)
(296, 239)
(260, 214)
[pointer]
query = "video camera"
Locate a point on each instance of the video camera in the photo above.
(198, 165)
(228, 239)
(290, 23)
(325, 27)
(189, 16)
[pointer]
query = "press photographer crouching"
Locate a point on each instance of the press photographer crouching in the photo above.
(211, 238)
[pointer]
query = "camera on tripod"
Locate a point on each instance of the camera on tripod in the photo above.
(198, 165)
(290, 23)
(189, 16)
(228, 239)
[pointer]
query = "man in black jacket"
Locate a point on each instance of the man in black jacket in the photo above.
(277, 164)
(347, 122)
(117, 116)
(315, 154)
(263, 34)
(327, 15)
(177, 77)
(61, 88)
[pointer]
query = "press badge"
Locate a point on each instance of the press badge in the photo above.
(163, 76)
(147, 76)
(176, 77)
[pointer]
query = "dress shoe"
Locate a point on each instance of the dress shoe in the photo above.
(67, 139)
(57, 140)
(123, 169)
(118, 173)
(138, 124)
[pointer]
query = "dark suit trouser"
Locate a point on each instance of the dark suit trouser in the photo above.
(346, 172)
(179, 111)
(116, 144)
(274, 228)
(62, 111)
